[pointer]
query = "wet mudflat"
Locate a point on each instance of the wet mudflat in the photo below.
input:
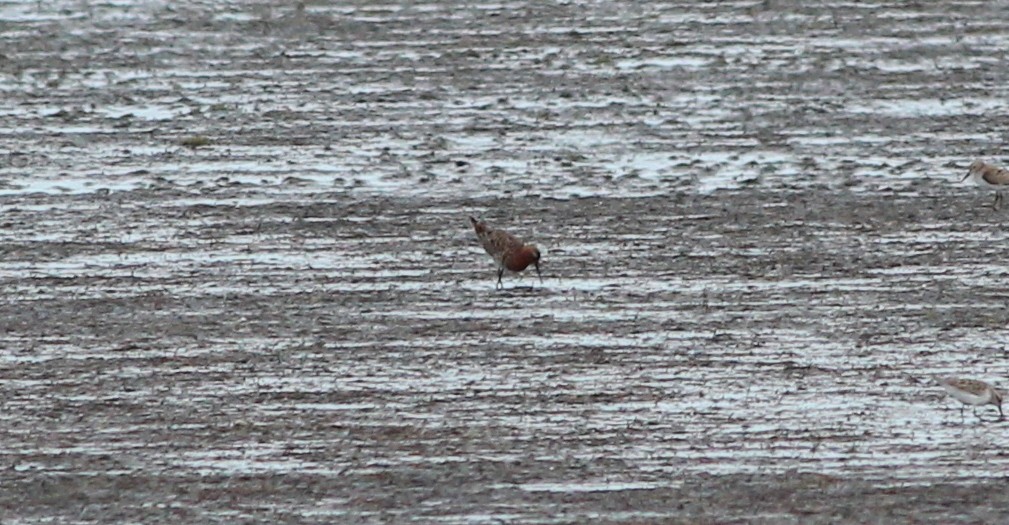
(739, 354)
(240, 283)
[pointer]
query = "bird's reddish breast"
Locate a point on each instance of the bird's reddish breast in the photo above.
(520, 259)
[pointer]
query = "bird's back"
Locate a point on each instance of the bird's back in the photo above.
(497, 243)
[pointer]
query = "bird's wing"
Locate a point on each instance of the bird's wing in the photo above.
(995, 175)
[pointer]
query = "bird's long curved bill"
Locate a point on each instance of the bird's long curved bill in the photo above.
(965, 177)
(538, 272)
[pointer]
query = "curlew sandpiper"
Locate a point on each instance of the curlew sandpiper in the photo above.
(508, 251)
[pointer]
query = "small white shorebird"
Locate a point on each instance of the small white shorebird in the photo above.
(990, 177)
(972, 392)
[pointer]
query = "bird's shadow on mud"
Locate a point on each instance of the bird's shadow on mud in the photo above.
(523, 290)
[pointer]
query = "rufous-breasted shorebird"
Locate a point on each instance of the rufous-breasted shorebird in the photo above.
(508, 251)
(990, 177)
(972, 392)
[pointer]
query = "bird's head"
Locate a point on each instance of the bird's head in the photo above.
(975, 169)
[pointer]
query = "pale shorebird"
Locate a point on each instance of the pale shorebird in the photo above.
(972, 392)
(507, 250)
(990, 177)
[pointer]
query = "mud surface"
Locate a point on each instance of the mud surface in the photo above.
(240, 284)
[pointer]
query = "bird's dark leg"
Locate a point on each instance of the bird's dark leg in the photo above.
(998, 199)
(500, 273)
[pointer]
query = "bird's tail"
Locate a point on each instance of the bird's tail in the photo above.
(478, 226)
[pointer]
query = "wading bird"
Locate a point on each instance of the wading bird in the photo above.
(990, 177)
(508, 251)
(972, 392)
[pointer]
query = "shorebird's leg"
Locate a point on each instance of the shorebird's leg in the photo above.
(961, 414)
(500, 273)
(998, 197)
(538, 272)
